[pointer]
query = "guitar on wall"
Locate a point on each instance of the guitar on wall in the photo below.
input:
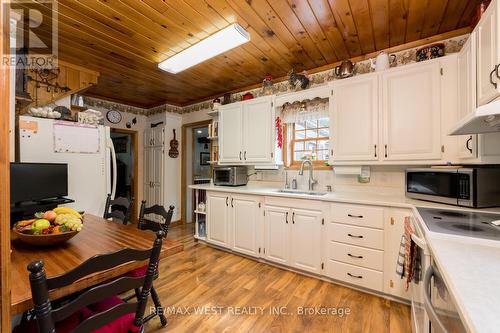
(174, 147)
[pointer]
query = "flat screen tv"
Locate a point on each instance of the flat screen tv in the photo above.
(37, 181)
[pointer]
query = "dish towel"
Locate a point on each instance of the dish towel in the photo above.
(407, 258)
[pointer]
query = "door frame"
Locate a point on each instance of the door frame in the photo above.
(135, 184)
(5, 273)
(183, 164)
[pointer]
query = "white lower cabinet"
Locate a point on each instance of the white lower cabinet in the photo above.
(357, 244)
(218, 219)
(245, 222)
(293, 237)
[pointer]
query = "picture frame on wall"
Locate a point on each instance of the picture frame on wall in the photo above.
(204, 158)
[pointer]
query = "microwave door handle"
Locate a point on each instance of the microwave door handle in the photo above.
(431, 312)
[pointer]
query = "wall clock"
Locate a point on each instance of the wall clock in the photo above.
(114, 116)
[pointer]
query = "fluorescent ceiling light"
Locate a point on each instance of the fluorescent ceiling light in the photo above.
(220, 42)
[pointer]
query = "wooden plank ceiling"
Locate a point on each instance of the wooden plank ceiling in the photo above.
(125, 39)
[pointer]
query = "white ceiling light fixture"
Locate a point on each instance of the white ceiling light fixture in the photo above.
(218, 43)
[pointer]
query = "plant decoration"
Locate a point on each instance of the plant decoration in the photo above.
(300, 80)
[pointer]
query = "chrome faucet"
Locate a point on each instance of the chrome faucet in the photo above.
(312, 181)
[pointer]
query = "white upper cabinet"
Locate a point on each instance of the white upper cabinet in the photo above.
(230, 132)
(245, 217)
(258, 129)
(466, 63)
(488, 82)
(354, 119)
(246, 131)
(412, 113)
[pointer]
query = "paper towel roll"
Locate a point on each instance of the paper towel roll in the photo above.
(347, 170)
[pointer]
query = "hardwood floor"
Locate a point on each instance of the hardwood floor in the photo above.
(203, 289)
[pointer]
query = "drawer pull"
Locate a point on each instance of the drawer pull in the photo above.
(355, 276)
(353, 256)
(354, 236)
(356, 216)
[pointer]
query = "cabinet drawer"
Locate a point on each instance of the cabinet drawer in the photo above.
(359, 236)
(360, 276)
(355, 255)
(365, 216)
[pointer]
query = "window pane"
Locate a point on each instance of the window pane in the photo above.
(322, 155)
(299, 146)
(323, 133)
(300, 135)
(323, 144)
(311, 134)
(299, 125)
(310, 145)
(299, 156)
(324, 122)
(311, 124)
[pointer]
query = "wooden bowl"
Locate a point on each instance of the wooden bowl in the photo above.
(45, 240)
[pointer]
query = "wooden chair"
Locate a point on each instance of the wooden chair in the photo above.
(46, 317)
(156, 227)
(119, 208)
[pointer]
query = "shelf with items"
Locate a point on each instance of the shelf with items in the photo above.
(200, 231)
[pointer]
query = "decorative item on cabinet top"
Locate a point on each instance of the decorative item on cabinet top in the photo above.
(298, 80)
(430, 52)
(345, 69)
(383, 62)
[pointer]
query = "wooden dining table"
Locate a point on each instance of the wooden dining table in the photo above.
(97, 236)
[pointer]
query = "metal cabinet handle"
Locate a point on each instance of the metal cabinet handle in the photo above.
(232, 199)
(286, 217)
(496, 71)
(356, 216)
(355, 276)
(293, 218)
(375, 149)
(491, 76)
(245, 155)
(353, 256)
(467, 144)
(385, 151)
(431, 312)
(240, 155)
(354, 236)
(227, 198)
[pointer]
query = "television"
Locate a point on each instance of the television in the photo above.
(37, 181)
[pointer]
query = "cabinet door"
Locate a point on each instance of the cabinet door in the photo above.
(412, 113)
(276, 234)
(230, 133)
(394, 229)
(354, 119)
(258, 129)
(305, 240)
(148, 138)
(158, 136)
(487, 55)
(466, 60)
(245, 218)
(218, 219)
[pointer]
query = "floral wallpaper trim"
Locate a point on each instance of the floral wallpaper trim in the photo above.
(405, 57)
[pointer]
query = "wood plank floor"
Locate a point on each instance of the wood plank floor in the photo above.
(203, 289)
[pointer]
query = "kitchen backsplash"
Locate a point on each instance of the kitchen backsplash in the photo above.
(383, 179)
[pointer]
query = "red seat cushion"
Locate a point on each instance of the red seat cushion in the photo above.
(138, 272)
(123, 324)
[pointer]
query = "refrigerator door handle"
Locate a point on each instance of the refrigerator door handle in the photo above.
(113, 162)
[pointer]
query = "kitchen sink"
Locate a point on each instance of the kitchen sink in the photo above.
(312, 193)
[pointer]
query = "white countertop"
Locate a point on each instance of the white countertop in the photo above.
(470, 267)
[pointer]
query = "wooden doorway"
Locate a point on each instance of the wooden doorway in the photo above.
(4, 171)
(185, 149)
(126, 144)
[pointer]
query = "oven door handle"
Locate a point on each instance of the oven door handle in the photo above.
(419, 241)
(431, 312)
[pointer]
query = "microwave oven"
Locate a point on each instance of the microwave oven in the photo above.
(475, 187)
(230, 175)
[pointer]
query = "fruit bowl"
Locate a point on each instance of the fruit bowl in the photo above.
(45, 240)
(49, 228)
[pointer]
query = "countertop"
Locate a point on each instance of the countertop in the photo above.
(469, 266)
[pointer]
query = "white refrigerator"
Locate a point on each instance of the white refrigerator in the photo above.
(88, 151)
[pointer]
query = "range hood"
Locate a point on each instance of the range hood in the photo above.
(485, 119)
